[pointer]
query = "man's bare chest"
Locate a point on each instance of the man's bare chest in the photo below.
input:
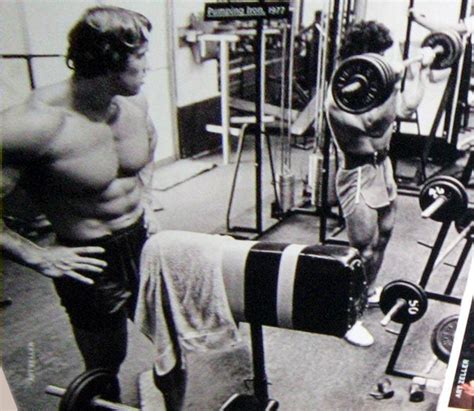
(90, 155)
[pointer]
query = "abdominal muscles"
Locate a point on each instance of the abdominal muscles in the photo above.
(90, 215)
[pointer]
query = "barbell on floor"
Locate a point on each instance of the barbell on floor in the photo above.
(402, 302)
(89, 391)
(364, 82)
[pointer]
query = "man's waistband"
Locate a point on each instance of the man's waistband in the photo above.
(357, 160)
(116, 235)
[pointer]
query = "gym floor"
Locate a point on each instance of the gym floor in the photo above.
(306, 371)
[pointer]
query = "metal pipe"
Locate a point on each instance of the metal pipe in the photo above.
(284, 81)
(393, 311)
(462, 235)
(97, 401)
(225, 111)
(434, 206)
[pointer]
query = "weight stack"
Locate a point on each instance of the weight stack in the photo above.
(319, 288)
(286, 191)
(315, 181)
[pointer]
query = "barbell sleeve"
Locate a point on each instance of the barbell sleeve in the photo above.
(99, 402)
(350, 88)
(96, 402)
(56, 391)
(397, 307)
(434, 206)
(461, 236)
(407, 62)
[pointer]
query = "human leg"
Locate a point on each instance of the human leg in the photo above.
(363, 234)
(173, 384)
(103, 348)
(386, 224)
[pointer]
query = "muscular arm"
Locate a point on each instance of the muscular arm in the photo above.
(436, 24)
(414, 89)
(15, 247)
(24, 137)
(146, 178)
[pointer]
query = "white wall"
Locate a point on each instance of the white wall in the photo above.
(394, 14)
(195, 82)
(42, 26)
(309, 9)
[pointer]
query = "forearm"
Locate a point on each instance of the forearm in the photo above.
(18, 248)
(147, 200)
(436, 24)
(146, 180)
(412, 94)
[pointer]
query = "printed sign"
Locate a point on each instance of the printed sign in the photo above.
(246, 11)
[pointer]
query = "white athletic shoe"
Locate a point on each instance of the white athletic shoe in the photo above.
(374, 299)
(359, 335)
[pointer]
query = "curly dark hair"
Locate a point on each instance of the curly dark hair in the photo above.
(103, 38)
(365, 37)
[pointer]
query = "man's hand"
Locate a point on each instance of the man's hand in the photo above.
(428, 56)
(59, 261)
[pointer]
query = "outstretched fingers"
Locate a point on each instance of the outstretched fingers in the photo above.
(84, 263)
(79, 277)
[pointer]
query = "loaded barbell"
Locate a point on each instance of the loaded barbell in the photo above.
(402, 302)
(90, 390)
(364, 82)
(443, 199)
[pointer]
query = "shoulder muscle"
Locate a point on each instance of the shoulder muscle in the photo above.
(28, 129)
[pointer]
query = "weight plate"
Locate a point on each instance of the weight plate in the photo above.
(373, 88)
(86, 386)
(452, 189)
(442, 337)
(414, 296)
(457, 41)
(451, 50)
(388, 73)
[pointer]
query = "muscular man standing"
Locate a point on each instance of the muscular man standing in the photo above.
(83, 150)
(365, 184)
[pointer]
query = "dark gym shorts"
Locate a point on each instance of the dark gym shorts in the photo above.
(113, 296)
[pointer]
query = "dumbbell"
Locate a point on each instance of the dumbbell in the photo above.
(364, 82)
(89, 391)
(402, 302)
